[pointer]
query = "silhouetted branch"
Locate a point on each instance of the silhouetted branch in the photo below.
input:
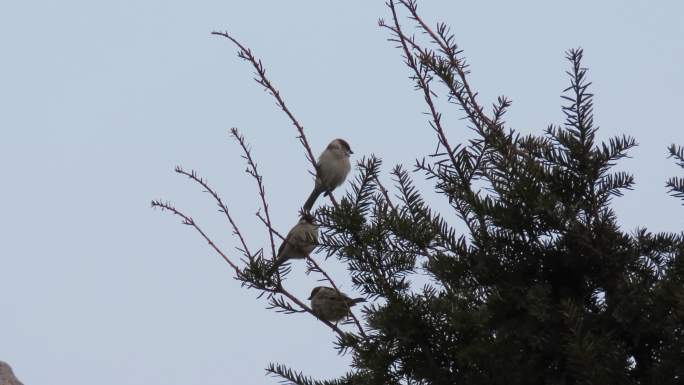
(252, 170)
(222, 207)
(246, 54)
(190, 222)
(675, 185)
(423, 81)
(316, 267)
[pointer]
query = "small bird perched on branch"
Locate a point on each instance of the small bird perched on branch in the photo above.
(330, 304)
(331, 170)
(299, 242)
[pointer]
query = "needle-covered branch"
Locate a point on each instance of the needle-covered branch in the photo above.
(315, 267)
(675, 185)
(543, 286)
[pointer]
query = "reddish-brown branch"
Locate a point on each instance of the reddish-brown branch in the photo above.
(320, 270)
(423, 83)
(190, 222)
(223, 208)
(246, 54)
(424, 54)
(310, 311)
(453, 59)
(252, 170)
(279, 290)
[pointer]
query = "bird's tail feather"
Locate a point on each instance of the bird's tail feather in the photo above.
(312, 198)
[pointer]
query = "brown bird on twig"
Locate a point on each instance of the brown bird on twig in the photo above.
(299, 242)
(330, 304)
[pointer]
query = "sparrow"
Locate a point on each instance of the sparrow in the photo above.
(299, 242)
(330, 304)
(331, 170)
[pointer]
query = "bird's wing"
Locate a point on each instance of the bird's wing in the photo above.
(282, 247)
(333, 295)
(303, 235)
(288, 240)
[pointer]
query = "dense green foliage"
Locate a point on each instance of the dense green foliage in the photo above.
(542, 286)
(545, 288)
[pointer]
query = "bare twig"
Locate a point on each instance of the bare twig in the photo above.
(310, 311)
(252, 170)
(190, 222)
(319, 269)
(222, 207)
(247, 54)
(279, 289)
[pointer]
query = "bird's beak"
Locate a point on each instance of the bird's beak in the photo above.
(351, 152)
(311, 296)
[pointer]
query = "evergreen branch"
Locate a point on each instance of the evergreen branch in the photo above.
(410, 196)
(364, 184)
(280, 305)
(423, 80)
(317, 268)
(385, 194)
(288, 376)
(676, 187)
(450, 49)
(612, 184)
(579, 114)
(423, 83)
(677, 152)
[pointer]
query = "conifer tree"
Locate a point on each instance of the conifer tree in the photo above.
(544, 287)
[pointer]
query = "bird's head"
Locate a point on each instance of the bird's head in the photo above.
(315, 291)
(341, 144)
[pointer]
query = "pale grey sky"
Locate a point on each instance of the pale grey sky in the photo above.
(100, 100)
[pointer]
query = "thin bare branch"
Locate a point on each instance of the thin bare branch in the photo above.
(252, 170)
(222, 207)
(166, 206)
(318, 269)
(247, 54)
(310, 311)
